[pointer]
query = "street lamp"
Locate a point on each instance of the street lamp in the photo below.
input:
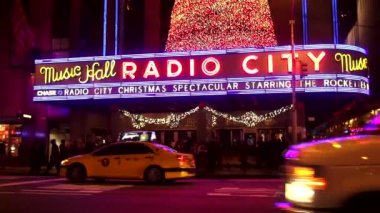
(294, 100)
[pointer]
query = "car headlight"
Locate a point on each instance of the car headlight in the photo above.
(64, 162)
(302, 184)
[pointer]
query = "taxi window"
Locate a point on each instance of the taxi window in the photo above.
(124, 149)
(134, 148)
(107, 150)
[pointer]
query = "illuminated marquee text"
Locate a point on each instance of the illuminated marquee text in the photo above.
(92, 72)
(174, 68)
(349, 64)
(329, 68)
(209, 66)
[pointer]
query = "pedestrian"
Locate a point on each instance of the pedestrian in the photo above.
(62, 150)
(212, 156)
(200, 154)
(188, 143)
(36, 157)
(243, 156)
(2, 154)
(54, 159)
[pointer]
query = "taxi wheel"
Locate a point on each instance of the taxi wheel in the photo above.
(154, 175)
(77, 174)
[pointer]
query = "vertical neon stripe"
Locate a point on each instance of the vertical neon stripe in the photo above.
(105, 3)
(116, 25)
(305, 22)
(335, 21)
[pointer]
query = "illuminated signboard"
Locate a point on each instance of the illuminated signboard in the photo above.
(330, 68)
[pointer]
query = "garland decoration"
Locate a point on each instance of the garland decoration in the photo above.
(172, 120)
(249, 119)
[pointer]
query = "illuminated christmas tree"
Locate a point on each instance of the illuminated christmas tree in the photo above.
(220, 24)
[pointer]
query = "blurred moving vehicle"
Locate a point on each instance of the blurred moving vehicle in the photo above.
(340, 173)
(148, 161)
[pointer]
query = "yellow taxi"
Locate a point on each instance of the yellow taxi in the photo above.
(147, 161)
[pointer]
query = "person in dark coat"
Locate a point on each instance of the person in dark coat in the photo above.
(2, 155)
(243, 155)
(62, 150)
(212, 155)
(37, 156)
(54, 159)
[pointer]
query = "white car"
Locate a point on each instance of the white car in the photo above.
(339, 173)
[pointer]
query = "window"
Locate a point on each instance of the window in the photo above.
(123, 149)
(134, 148)
(112, 149)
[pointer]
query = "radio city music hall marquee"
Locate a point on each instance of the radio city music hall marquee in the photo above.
(330, 68)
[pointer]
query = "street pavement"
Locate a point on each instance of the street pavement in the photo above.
(231, 172)
(53, 194)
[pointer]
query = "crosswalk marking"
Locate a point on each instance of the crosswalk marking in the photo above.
(244, 192)
(44, 193)
(30, 182)
(9, 178)
(217, 194)
(58, 191)
(91, 187)
(75, 189)
(274, 180)
(68, 189)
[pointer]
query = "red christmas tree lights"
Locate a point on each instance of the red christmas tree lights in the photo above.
(220, 24)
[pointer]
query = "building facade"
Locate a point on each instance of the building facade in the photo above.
(66, 29)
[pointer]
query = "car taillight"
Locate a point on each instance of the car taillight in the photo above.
(181, 158)
(185, 159)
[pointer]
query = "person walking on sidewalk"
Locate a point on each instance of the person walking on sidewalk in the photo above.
(36, 156)
(62, 150)
(2, 155)
(243, 156)
(54, 159)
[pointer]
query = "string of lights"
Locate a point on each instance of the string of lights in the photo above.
(249, 119)
(220, 24)
(172, 120)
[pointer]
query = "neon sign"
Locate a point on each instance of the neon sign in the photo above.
(351, 65)
(93, 72)
(332, 68)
